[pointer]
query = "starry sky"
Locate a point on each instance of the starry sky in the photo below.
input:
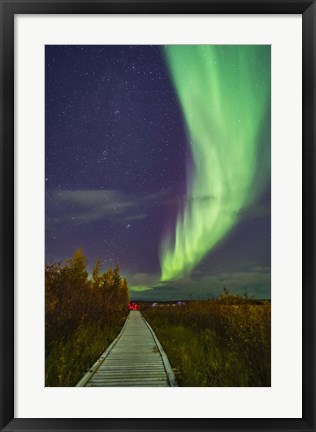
(158, 159)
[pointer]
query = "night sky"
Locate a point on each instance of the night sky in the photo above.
(158, 159)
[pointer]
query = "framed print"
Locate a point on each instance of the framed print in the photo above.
(157, 215)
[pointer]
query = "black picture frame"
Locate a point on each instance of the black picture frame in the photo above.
(8, 9)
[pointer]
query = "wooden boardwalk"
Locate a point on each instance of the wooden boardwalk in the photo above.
(134, 359)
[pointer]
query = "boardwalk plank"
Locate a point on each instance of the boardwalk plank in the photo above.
(134, 359)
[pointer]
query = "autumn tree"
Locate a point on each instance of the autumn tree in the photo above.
(74, 299)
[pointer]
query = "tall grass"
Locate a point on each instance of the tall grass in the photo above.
(70, 358)
(217, 343)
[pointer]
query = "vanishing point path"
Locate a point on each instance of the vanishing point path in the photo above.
(135, 358)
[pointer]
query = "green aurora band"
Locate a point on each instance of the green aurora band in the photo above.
(224, 93)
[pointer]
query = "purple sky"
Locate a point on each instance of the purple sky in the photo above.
(116, 155)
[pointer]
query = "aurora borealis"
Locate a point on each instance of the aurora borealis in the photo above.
(224, 105)
(158, 159)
